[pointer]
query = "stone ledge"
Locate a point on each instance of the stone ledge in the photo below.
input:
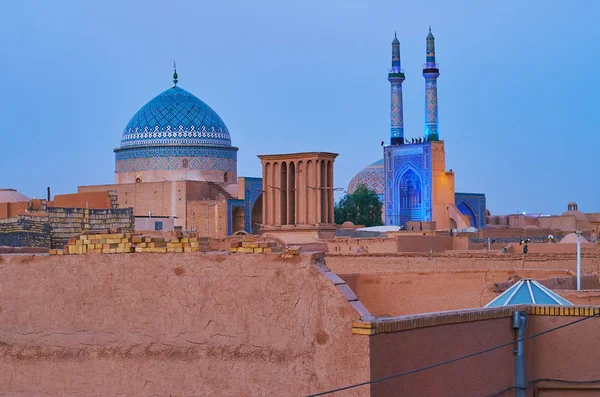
(318, 263)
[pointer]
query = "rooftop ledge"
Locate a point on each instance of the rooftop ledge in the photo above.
(414, 321)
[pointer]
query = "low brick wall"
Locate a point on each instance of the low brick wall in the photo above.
(25, 231)
(69, 222)
(53, 228)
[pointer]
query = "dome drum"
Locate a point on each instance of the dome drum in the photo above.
(160, 163)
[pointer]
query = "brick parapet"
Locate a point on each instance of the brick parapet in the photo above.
(406, 323)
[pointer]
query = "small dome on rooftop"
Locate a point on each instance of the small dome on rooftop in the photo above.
(572, 238)
(574, 211)
(347, 225)
(579, 216)
(12, 196)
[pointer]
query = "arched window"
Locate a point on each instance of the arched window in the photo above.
(225, 177)
(410, 190)
(186, 163)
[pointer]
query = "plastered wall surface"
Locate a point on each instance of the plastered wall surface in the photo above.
(397, 352)
(397, 294)
(570, 354)
(345, 264)
(174, 325)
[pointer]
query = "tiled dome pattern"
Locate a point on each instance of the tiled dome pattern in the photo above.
(175, 117)
(372, 176)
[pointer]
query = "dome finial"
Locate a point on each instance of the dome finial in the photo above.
(175, 74)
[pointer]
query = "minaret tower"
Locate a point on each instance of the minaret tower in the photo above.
(431, 73)
(396, 77)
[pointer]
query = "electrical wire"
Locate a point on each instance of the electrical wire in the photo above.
(501, 392)
(577, 382)
(451, 360)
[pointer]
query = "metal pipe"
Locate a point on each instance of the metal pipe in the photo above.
(519, 323)
(578, 261)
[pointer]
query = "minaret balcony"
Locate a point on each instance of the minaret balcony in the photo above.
(431, 67)
(396, 74)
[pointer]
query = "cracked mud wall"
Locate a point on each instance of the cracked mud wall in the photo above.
(174, 325)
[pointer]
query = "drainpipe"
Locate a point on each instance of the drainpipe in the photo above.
(519, 322)
(578, 260)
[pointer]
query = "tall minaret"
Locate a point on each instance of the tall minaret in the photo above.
(396, 77)
(431, 73)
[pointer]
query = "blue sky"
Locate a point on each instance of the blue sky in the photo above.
(517, 91)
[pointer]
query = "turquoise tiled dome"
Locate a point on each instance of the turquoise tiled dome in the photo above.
(176, 117)
(372, 176)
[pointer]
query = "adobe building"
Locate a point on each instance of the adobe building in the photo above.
(569, 221)
(260, 324)
(298, 196)
(12, 203)
(48, 224)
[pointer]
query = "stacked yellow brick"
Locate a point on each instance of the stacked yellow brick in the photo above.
(129, 242)
(159, 244)
(97, 243)
(292, 251)
(249, 245)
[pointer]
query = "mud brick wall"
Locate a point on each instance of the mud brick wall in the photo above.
(25, 231)
(69, 222)
(115, 218)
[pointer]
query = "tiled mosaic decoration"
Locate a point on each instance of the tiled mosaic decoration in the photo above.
(431, 106)
(431, 73)
(372, 176)
(175, 163)
(473, 205)
(176, 117)
(403, 160)
(175, 151)
(171, 158)
(253, 190)
(396, 77)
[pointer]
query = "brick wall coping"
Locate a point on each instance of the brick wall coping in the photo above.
(531, 257)
(415, 321)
